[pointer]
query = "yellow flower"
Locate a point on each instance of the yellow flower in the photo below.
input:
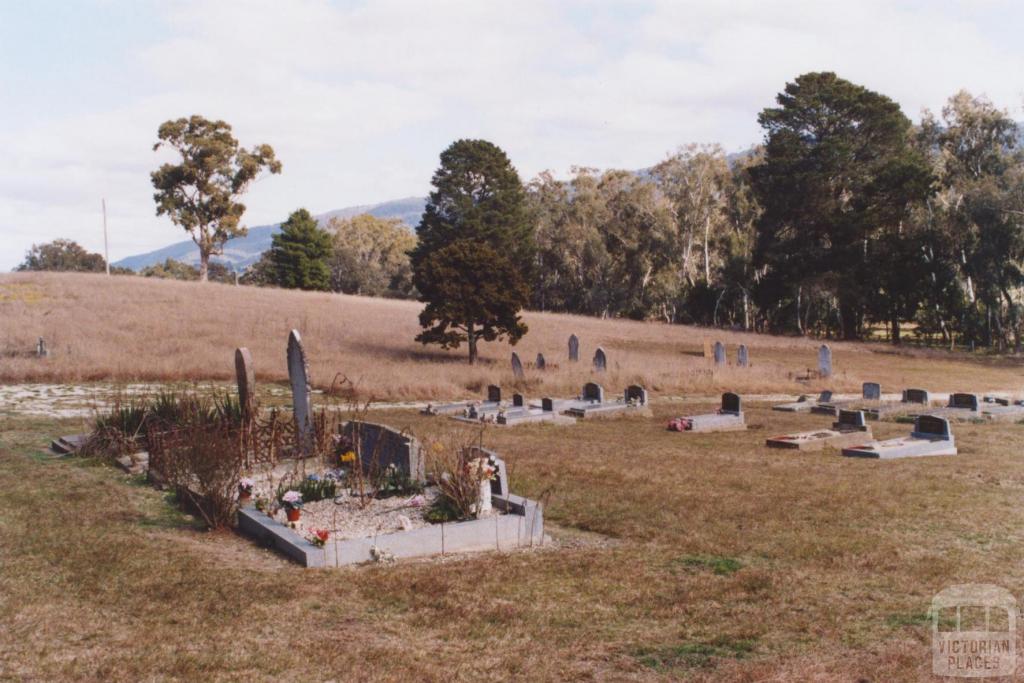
(348, 456)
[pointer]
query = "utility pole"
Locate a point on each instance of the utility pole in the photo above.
(106, 250)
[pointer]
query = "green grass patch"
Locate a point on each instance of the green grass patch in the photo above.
(721, 565)
(693, 655)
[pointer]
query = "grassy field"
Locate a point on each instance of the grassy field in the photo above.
(696, 557)
(128, 329)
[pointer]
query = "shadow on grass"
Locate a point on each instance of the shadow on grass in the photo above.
(693, 655)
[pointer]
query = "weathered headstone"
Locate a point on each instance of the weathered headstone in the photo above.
(637, 393)
(600, 360)
(731, 403)
(493, 393)
(541, 363)
(968, 401)
(574, 348)
(871, 391)
(719, 353)
(593, 391)
(245, 374)
(850, 420)
(742, 359)
(378, 447)
(298, 375)
(931, 425)
(517, 366)
(916, 396)
(825, 360)
(41, 349)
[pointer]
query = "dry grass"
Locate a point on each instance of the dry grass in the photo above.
(730, 562)
(142, 329)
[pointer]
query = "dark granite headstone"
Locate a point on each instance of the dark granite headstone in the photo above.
(541, 363)
(871, 391)
(493, 393)
(968, 401)
(379, 446)
(600, 360)
(593, 392)
(574, 348)
(916, 396)
(731, 403)
(930, 425)
(637, 392)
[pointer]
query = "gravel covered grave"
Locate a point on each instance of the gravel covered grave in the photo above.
(346, 516)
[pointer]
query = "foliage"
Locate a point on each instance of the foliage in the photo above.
(370, 256)
(458, 472)
(172, 269)
(300, 252)
(310, 489)
(838, 172)
(201, 193)
(475, 256)
(62, 255)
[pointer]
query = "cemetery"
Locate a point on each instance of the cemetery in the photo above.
(1002, 409)
(728, 418)
(961, 407)
(931, 436)
(848, 430)
(591, 403)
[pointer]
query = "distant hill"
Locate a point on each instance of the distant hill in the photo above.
(242, 252)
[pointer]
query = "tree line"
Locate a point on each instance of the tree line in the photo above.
(846, 219)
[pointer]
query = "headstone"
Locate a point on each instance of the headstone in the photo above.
(731, 403)
(930, 425)
(916, 396)
(742, 358)
(517, 366)
(825, 397)
(574, 348)
(245, 374)
(600, 360)
(719, 353)
(378, 446)
(41, 350)
(871, 391)
(637, 392)
(593, 392)
(969, 401)
(518, 401)
(825, 360)
(850, 419)
(493, 393)
(541, 363)
(499, 483)
(547, 405)
(298, 374)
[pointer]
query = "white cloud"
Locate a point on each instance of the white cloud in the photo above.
(358, 99)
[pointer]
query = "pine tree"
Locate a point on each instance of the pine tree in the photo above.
(474, 260)
(300, 253)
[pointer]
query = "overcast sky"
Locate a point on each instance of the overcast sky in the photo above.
(359, 98)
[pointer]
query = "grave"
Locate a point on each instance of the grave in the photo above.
(591, 402)
(68, 445)
(517, 522)
(378, 446)
(600, 360)
(491, 412)
(742, 359)
(931, 436)
(720, 358)
(804, 404)
(493, 401)
(850, 429)
(911, 400)
(298, 375)
(245, 375)
(540, 363)
(729, 418)
(961, 407)
(574, 348)
(824, 361)
(869, 398)
(522, 412)
(517, 366)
